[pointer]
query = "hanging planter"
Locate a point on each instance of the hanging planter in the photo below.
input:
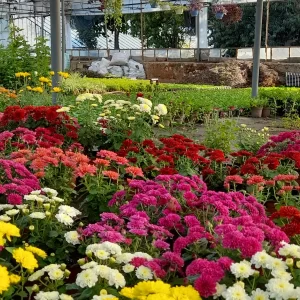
(194, 13)
(219, 15)
(179, 11)
(153, 4)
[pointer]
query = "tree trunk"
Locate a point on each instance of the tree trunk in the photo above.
(117, 42)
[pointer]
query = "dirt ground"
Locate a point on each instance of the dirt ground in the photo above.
(197, 132)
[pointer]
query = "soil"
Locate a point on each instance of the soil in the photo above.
(197, 131)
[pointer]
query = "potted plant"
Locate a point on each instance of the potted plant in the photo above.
(219, 11)
(256, 105)
(195, 6)
(266, 109)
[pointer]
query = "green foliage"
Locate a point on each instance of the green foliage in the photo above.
(283, 24)
(18, 56)
(161, 29)
(221, 134)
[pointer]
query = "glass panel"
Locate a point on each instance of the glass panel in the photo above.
(94, 53)
(161, 53)
(245, 53)
(215, 53)
(174, 53)
(188, 53)
(280, 53)
(149, 53)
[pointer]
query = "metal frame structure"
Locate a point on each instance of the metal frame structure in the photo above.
(52, 8)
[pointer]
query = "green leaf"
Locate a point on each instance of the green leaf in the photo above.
(72, 286)
(53, 233)
(10, 249)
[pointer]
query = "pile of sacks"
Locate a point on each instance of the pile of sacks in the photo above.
(119, 66)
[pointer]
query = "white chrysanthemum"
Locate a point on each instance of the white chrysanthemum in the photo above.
(5, 206)
(57, 199)
(37, 215)
(51, 192)
(102, 271)
(116, 279)
(135, 107)
(101, 254)
(142, 255)
(31, 197)
(144, 273)
(47, 296)
(296, 293)
(72, 237)
(93, 248)
(22, 206)
(282, 274)
(242, 269)
(98, 97)
(68, 210)
(36, 192)
(64, 219)
(87, 278)
(123, 102)
(104, 297)
(5, 218)
(112, 248)
(289, 250)
(145, 108)
(276, 264)
(235, 292)
(144, 101)
(280, 288)
(89, 265)
(65, 297)
(128, 268)
(221, 288)
(124, 258)
(36, 275)
(56, 274)
(51, 267)
(161, 109)
(261, 259)
(109, 102)
(12, 212)
(259, 294)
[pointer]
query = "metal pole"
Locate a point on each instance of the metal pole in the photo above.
(198, 35)
(257, 45)
(43, 26)
(63, 34)
(142, 31)
(55, 44)
(267, 28)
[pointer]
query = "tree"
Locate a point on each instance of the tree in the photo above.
(161, 29)
(89, 28)
(283, 30)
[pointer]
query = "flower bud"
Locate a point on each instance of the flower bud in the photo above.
(48, 213)
(103, 292)
(80, 224)
(298, 264)
(241, 284)
(289, 262)
(273, 254)
(67, 273)
(31, 227)
(35, 288)
(81, 261)
(47, 278)
(112, 259)
(25, 211)
(52, 254)
(89, 254)
(63, 267)
(256, 274)
(47, 206)
(66, 251)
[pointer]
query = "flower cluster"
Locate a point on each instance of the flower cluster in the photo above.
(16, 181)
(33, 117)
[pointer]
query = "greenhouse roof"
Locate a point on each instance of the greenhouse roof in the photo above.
(25, 8)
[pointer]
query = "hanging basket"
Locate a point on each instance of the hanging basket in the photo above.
(219, 15)
(154, 5)
(194, 13)
(179, 11)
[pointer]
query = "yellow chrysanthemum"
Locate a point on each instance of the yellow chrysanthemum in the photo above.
(51, 73)
(44, 79)
(8, 230)
(127, 292)
(14, 279)
(25, 258)
(146, 288)
(39, 252)
(4, 279)
(189, 292)
(159, 296)
(56, 89)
